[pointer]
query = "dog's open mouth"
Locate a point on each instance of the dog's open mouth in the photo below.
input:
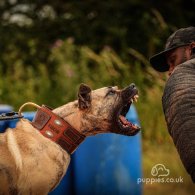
(126, 126)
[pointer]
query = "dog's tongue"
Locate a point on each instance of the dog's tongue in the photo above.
(126, 122)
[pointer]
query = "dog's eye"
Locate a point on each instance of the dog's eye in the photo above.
(111, 92)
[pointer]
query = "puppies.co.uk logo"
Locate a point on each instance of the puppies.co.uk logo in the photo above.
(160, 175)
(159, 170)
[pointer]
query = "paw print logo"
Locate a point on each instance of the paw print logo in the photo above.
(159, 170)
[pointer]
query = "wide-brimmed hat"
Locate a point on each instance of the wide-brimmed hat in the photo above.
(181, 37)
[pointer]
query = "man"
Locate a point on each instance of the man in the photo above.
(178, 58)
(179, 48)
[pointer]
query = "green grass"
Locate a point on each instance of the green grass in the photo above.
(166, 154)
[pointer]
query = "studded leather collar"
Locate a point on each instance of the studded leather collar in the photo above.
(57, 129)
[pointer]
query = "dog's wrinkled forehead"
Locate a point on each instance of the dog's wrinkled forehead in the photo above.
(103, 91)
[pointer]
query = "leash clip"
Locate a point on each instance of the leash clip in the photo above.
(16, 115)
(10, 116)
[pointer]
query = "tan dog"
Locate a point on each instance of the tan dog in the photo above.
(32, 164)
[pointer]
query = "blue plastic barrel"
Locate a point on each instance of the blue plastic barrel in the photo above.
(109, 164)
(4, 109)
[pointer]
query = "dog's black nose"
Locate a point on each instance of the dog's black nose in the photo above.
(129, 91)
(132, 85)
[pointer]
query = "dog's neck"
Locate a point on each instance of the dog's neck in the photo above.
(70, 113)
(79, 120)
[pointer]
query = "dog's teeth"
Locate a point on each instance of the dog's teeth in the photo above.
(135, 98)
(136, 125)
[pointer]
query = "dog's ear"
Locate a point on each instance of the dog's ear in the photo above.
(84, 96)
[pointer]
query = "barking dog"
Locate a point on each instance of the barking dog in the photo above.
(30, 163)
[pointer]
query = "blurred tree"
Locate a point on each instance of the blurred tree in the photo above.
(29, 29)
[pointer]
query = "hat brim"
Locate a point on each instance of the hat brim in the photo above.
(159, 61)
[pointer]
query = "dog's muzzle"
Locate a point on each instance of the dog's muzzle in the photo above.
(129, 95)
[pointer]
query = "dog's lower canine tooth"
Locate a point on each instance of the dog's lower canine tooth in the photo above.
(136, 96)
